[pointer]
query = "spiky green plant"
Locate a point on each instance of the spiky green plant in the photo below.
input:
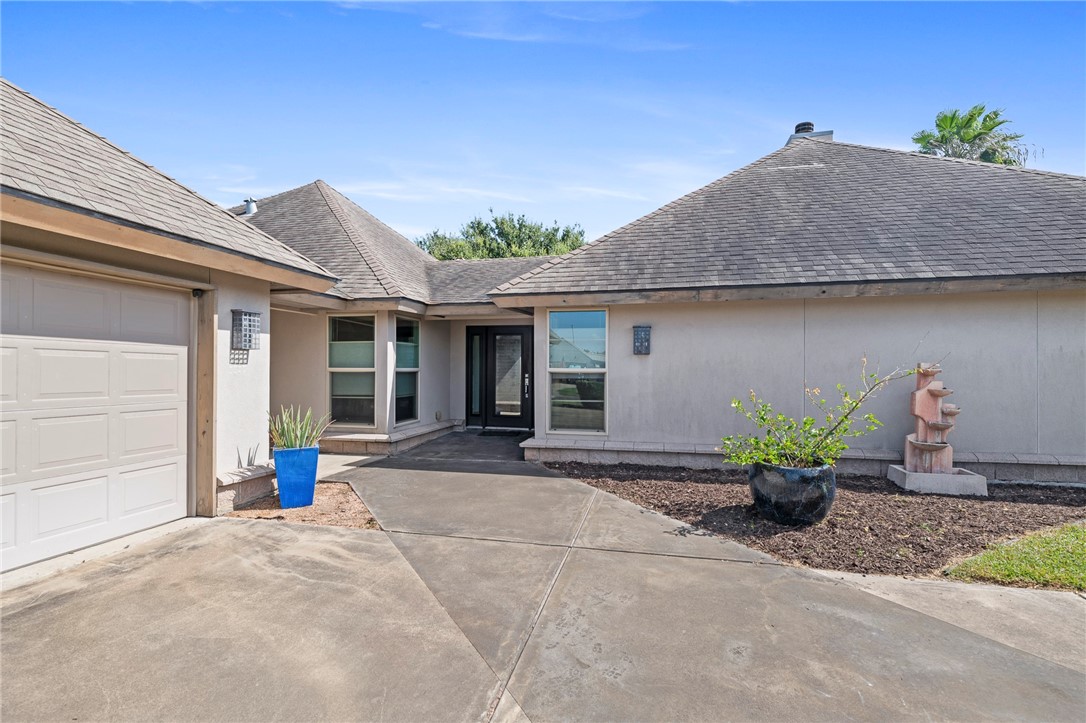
(290, 429)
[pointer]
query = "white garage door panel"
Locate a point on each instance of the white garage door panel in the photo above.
(7, 521)
(67, 441)
(153, 317)
(9, 457)
(70, 375)
(69, 506)
(9, 370)
(49, 442)
(152, 432)
(49, 517)
(94, 425)
(73, 307)
(147, 489)
(146, 375)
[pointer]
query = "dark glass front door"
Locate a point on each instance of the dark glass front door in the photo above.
(500, 376)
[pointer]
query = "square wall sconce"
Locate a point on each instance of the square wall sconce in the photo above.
(642, 340)
(244, 330)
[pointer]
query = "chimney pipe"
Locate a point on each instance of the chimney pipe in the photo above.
(250, 207)
(806, 130)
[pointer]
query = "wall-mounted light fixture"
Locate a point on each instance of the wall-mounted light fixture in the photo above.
(244, 330)
(642, 339)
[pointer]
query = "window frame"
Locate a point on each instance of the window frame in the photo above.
(416, 370)
(329, 369)
(601, 371)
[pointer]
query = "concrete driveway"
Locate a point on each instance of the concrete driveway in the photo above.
(500, 591)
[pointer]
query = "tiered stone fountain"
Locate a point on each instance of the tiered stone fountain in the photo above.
(929, 459)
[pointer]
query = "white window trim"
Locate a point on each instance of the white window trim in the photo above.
(396, 369)
(602, 372)
(329, 369)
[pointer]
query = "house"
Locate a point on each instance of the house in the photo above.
(785, 274)
(147, 332)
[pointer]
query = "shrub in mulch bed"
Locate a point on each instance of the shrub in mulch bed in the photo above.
(874, 527)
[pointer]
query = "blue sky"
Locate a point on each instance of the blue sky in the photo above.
(429, 114)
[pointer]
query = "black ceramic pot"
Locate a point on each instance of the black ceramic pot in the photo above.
(793, 495)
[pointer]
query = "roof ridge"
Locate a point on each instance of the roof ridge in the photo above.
(496, 258)
(377, 220)
(241, 206)
(965, 161)
(387, 282)
(606, 237)
(68, 119)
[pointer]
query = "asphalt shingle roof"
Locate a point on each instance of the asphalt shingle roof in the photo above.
(372, 260)
(45, 154)
(469, 280)
(818, 211)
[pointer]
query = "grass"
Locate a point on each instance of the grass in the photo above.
(1050, 558)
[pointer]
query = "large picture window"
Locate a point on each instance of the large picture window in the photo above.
(351, 369)
(407, 370)
(577, 366)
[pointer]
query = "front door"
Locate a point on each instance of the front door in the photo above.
(500, 376)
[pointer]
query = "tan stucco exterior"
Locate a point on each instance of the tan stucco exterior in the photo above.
(300, 367)
(243, 377)
(1017, 362)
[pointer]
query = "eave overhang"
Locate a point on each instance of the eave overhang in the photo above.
(33, 212)
(899, 287)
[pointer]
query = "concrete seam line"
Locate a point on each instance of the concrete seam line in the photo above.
(539, 611)
(587, 548)
(501, 686)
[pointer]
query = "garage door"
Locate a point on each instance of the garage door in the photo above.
(93, 411)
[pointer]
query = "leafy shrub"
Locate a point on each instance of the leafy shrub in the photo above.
(806, 443)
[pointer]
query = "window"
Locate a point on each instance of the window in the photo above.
(350, 368)
(407, 370)
(577, 364)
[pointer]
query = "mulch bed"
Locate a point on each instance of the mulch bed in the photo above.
(874, 527)
(334, 503)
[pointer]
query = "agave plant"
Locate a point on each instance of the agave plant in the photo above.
(290, 429)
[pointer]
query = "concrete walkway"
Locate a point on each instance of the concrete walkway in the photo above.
(500, 591)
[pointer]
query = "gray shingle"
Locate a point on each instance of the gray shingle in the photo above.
(817, 211)
(47, 154)
(371, 259)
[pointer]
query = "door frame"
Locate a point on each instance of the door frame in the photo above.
(487, 333)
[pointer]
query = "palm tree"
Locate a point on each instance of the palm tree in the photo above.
(974, 135)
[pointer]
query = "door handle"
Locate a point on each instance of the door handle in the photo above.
(527, 384)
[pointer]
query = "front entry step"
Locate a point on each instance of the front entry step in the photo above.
(334, 442)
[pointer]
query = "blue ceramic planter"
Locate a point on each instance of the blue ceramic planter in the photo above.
(296, 473)
(793, 495)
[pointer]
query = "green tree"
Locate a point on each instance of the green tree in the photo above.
(975, 135)
(502, 237)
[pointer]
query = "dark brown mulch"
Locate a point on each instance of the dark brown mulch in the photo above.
(874, 527)
(334, 503)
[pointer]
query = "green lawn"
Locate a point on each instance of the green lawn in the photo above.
(1051, 558)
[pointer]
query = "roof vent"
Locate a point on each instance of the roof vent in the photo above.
(806, 130)
(250, 207)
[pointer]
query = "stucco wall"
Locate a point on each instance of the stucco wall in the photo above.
(242, 379)
(1017, 363)
(299, 361)
(433, 372)
(300, 375)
